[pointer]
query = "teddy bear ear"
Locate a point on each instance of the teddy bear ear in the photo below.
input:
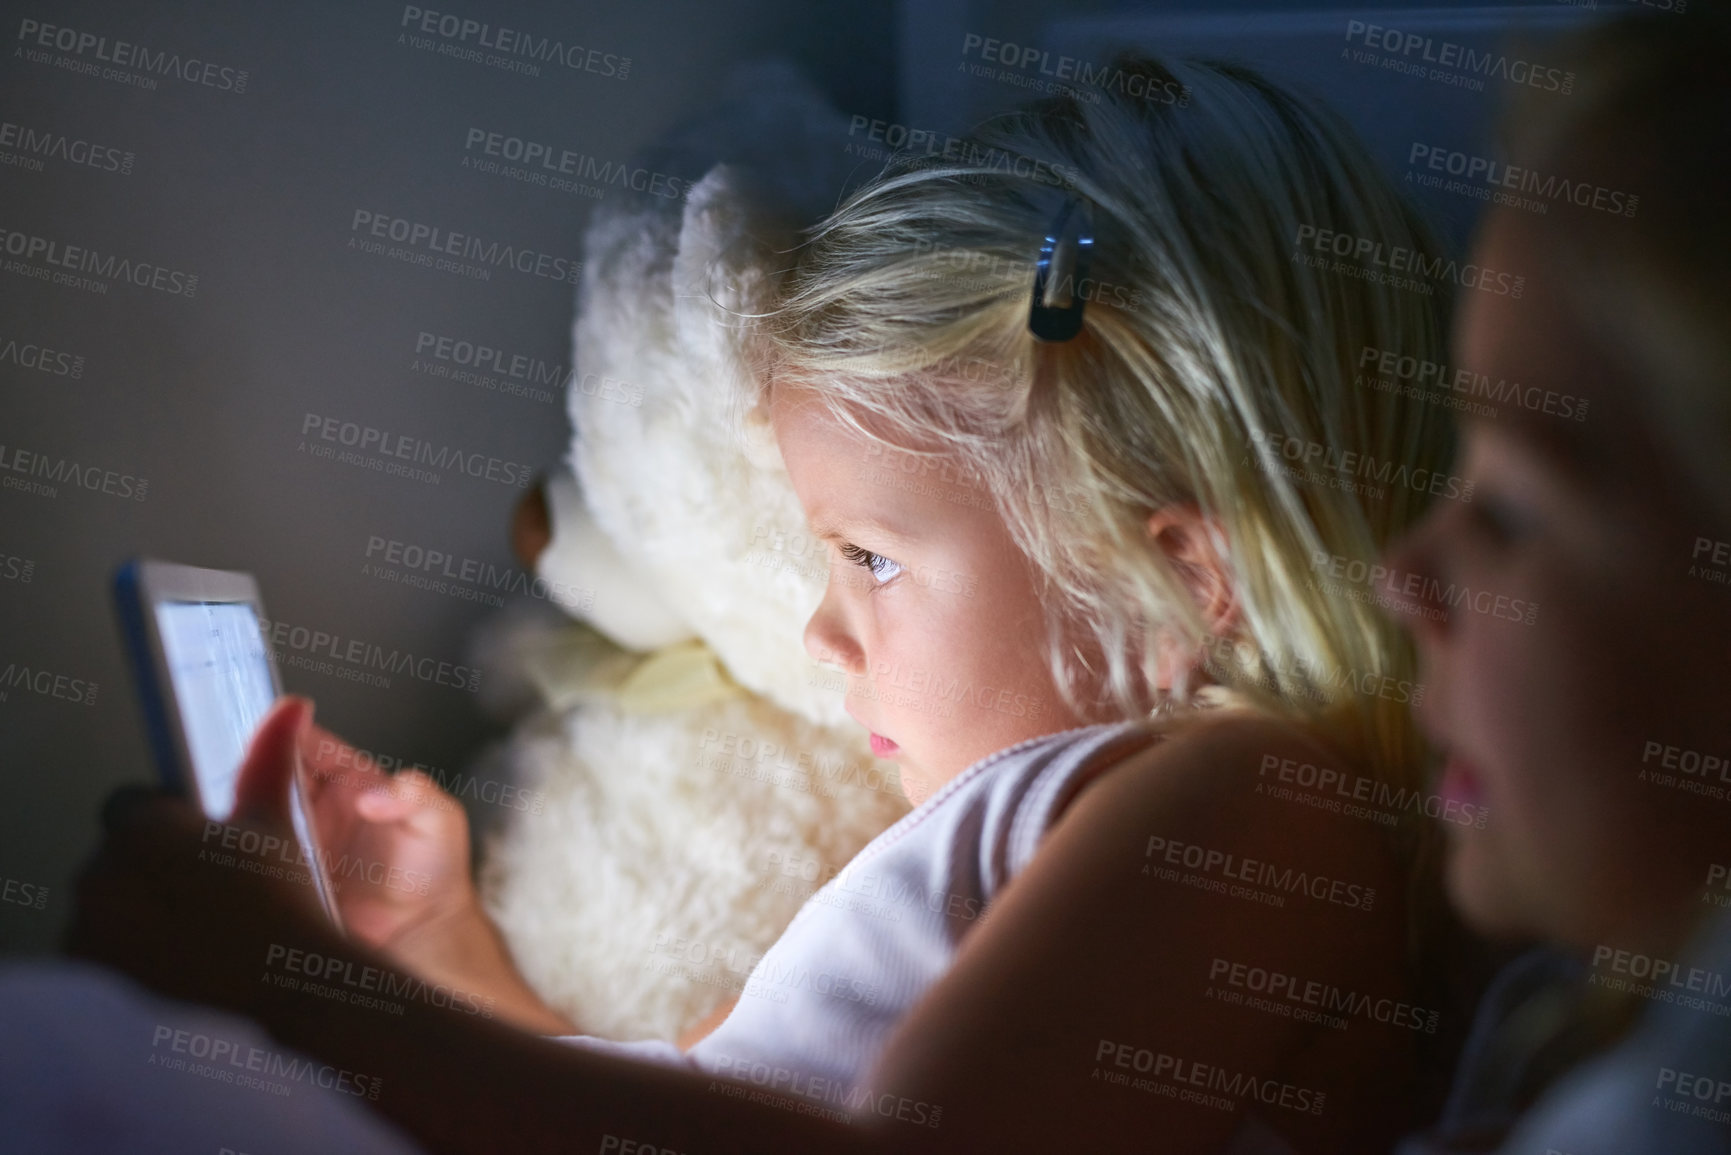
(680, 474)
(732, 225)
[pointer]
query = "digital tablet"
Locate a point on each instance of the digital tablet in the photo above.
(205, 679)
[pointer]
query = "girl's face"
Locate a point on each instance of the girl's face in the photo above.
(931, 609)
(1591, 734)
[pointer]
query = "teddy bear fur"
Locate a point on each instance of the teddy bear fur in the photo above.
(675, 835)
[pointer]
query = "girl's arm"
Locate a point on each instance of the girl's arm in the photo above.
(157, 905)
(1085, 964)
(1104, 1002)
(462, 1084)
(1099, 1006)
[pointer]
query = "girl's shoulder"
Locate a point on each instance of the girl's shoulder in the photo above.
(1229, 752)
(1142, 939)
(1247, 793)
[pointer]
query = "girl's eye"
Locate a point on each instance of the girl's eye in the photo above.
(881, 567)
(1505, 522)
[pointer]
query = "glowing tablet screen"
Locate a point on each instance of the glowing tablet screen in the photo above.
(222, 681)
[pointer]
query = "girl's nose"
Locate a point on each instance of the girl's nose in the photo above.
(1414, 583)
(828, 640)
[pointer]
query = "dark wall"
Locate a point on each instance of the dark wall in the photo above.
(189, 401)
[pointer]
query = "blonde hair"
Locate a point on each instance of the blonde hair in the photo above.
(1207, 337)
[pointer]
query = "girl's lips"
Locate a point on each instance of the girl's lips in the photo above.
(883, 747)
(1461, 782)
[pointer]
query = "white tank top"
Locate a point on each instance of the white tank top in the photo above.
(820, 1006)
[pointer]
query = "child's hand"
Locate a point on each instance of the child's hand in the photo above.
(168, 904)
(395, 846)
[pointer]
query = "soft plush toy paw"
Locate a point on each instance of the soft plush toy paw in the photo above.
(695, 775)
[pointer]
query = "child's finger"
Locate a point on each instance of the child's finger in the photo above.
(328, 756)
(427, 796)
(384, 805)
(407, 794)
(261, 792)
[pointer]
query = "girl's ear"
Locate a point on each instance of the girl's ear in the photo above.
(1195, 545)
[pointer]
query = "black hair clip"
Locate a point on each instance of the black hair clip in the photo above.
(1055, 312)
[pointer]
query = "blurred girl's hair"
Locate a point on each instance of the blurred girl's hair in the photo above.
(1650, 119)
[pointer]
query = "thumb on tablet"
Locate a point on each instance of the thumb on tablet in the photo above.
(261, 794)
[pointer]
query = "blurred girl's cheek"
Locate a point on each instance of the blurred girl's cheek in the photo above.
(1423, 556)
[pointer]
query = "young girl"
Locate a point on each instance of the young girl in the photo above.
(1096, 446)
(1598, 736)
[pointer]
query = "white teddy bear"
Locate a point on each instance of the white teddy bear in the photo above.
(699, 776)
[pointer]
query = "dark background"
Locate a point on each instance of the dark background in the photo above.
(255, 192)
